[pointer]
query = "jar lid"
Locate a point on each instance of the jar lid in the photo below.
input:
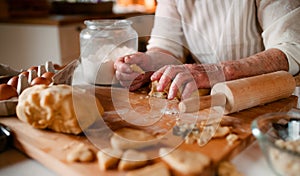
(106, 23)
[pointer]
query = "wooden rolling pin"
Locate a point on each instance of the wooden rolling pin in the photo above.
(240, 94)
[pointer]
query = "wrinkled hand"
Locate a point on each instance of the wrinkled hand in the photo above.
(129, 78)
(186, 78)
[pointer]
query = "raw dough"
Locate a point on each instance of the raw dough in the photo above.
(128, 138)
(231, 138)
(221, 131)
(108, 158)
(80, 153)
(53, 107)
(164, 94)
(186, 162)
(158, 169)
(137, 69)
(132, 159)
(228, 169)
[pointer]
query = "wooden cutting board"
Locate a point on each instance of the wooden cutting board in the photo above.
(50, 148)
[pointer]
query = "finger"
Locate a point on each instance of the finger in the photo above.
(135, 58)
(178, 84)
(140, 59)
(122, 67)
(125, 76)
(156, 75)
(125, 83)
(188, 90)
(118, 62)
(169, 74)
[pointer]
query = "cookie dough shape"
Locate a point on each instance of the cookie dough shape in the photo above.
(109, 158)
(132, 159)
(186, 162)
(61, 108)
(137, 69)
(128, 138)
(80, 153)
(158, 169)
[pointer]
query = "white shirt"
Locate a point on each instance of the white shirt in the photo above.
(219, 30)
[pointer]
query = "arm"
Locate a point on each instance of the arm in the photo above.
(279, 21)
(264, 62)
(281, 39)
(194, 76)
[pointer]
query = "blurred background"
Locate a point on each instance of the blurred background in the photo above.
(35, 31)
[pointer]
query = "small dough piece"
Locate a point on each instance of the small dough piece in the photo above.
(155, 93)
(221, 132)
(231, 138)
(80, 153)
(228, 169)
(61, 108)
(132, 159)
(186, 162)
(164, 94)
(128, 138)
(158, 169)
(137, 69)
(108, 158)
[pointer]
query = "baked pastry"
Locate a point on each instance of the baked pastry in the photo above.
(61, 108)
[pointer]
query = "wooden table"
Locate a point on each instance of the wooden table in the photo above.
(50, 148)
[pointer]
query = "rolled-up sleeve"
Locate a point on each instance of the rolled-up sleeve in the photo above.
(281, 28)
(167, 30)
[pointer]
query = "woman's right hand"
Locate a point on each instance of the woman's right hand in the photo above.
(128, 77)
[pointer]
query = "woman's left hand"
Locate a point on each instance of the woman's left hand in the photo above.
(186, 78)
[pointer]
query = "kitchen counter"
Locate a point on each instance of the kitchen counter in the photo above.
(12, 162)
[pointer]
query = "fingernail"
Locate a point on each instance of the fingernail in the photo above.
(152, 78)
(126, 58)
(159, 88)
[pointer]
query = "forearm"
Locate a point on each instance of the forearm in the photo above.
(264, 62)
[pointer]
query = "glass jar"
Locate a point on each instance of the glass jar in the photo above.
(101, 43)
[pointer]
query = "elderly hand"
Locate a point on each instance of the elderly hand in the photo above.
(187, 78)
(128, 77)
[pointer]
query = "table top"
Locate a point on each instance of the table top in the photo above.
(250, 161)
(13, 162)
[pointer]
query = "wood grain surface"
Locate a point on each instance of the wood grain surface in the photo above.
(50, 148)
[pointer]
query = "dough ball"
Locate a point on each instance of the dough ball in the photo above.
(61, 108)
